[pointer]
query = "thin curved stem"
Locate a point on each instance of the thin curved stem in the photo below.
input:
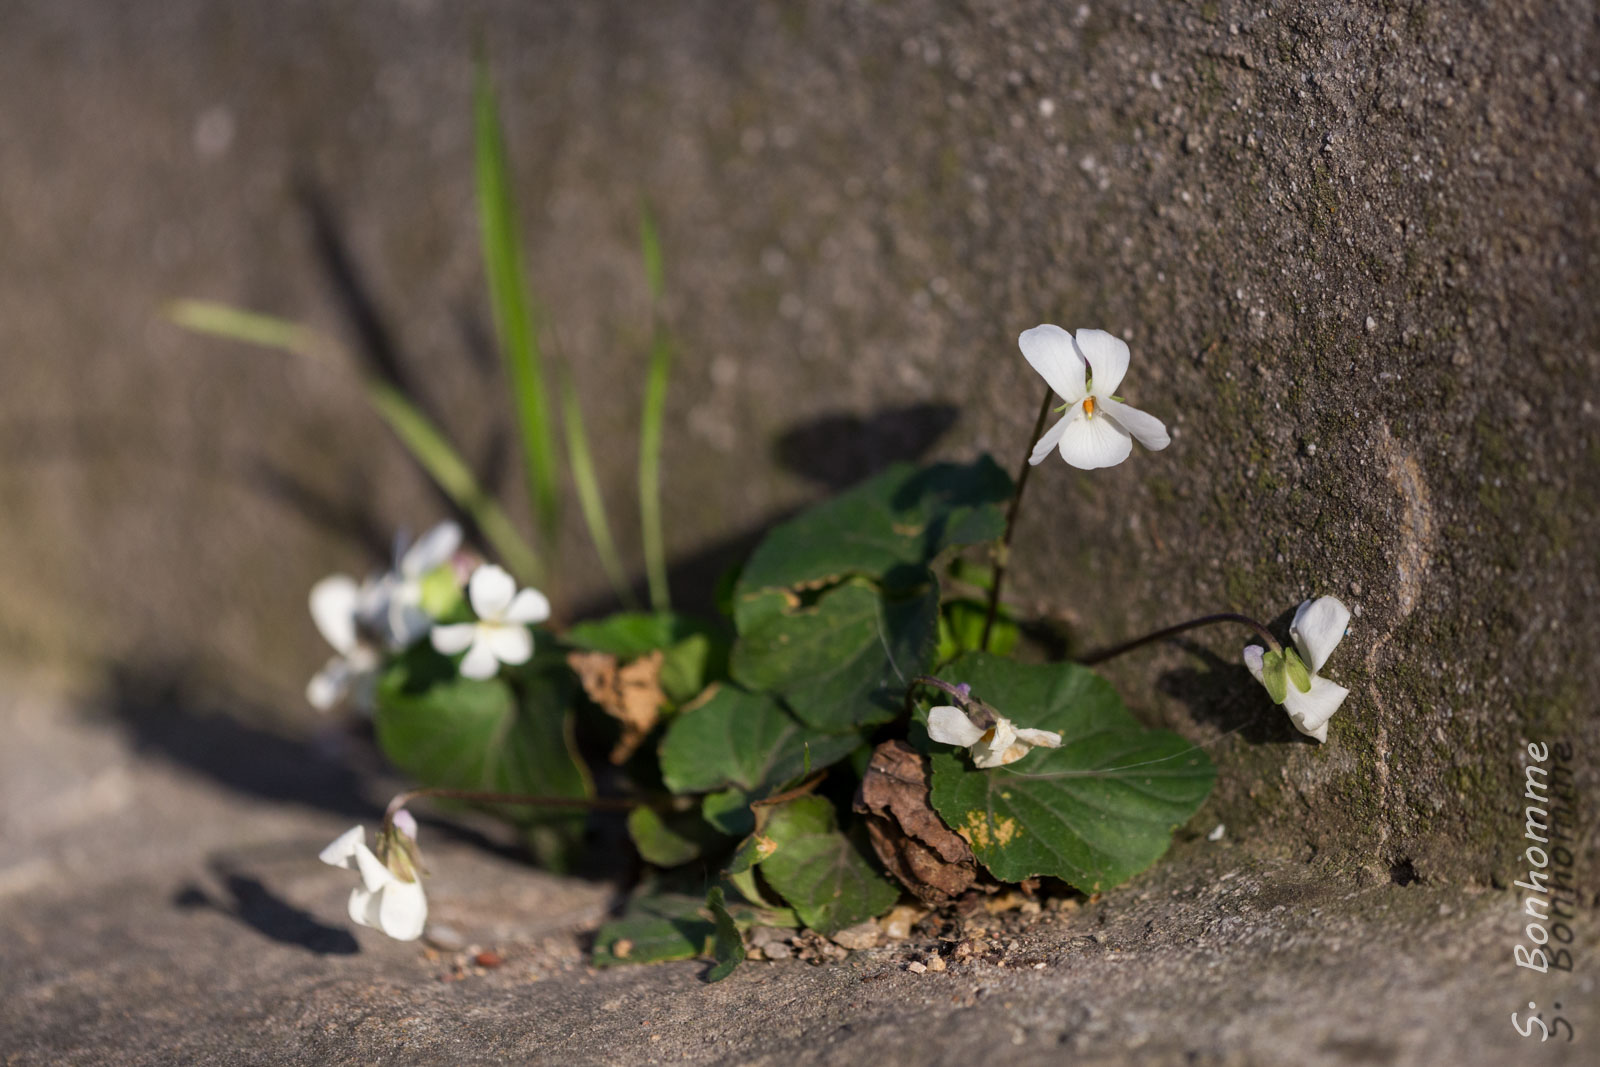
(1003, 555)
(960, 692)
(1103, 654)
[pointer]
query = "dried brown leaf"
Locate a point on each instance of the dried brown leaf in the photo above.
(630, 694)
(929, 858)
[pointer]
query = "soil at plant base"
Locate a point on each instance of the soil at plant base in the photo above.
(161, 902)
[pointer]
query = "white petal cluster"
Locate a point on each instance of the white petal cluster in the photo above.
(363, 619)
(384, 900)
(1097, 430)
(1319, 625)
(500, 634)
(338, 606)
(994, 746)
(404, 621)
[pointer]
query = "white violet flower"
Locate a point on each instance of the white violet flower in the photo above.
(405, 620)
(994, 746)
(1097, 427)
(501, 633)
(1292, 679)
(340, 609)
(390, 896)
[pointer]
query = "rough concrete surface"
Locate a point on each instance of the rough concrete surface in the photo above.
(153, 912)
(1353, 247)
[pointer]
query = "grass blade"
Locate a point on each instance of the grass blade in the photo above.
(513, 315)
(444, 464)
(651, 419)
(427, 445)
(236, 324)
(590, 499)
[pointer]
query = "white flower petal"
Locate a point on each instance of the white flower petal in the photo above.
(996, 751)
(480, 661)
(334, 602)
(1108, 360)
(374, 875)
(342, 851)
(1048, 350)
(433, 549)
(402, 910)
(1093, 442)
(407, 622)
(1318, 627)
(529, 606)
(490, 591)
(950, 726)
(1041, 738)
(363, 906)
(1311, 711)
(511, 644)
(1253, 655)
(1052, 436)
(329, 686)
(457, 637)
(1146, 428)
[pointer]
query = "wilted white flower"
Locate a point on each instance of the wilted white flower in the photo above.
(390, 896)
(404, 620)
(1309, 698)
(993, 746)
(340, 607)
(1097, 427)
(501, 633)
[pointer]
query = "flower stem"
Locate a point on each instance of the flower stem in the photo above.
(958, 691)
(593, 803)
(1103, 654)
(1003, 554)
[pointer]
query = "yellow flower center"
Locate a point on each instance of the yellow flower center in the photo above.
(1088, 407)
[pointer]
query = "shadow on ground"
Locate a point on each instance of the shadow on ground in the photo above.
(251, 902)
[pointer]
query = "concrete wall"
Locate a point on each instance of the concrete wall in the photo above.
(1353, 249)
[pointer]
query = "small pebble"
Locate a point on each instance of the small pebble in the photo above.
(896, 925)
(445, 938)
(916, 968)
(1216, 835)
(859, 936)
(935, 963)
(488, 958)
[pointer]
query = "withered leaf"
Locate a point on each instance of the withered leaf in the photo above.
(932, 861)
(630, 694)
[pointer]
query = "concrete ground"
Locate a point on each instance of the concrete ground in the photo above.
(161, 903)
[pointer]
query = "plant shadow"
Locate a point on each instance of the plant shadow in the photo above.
(164, 712)
(842, 449)
(252, 903)
(1223, 694)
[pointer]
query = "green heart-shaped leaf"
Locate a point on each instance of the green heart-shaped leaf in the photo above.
(822, 873)
(672, 839)
(511, 734)
(742, 739)
(656, 927)
(846, 660)
(727, 947)
(889, 527)
(1093, 812)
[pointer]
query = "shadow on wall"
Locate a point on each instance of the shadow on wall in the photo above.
(1222, 693)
